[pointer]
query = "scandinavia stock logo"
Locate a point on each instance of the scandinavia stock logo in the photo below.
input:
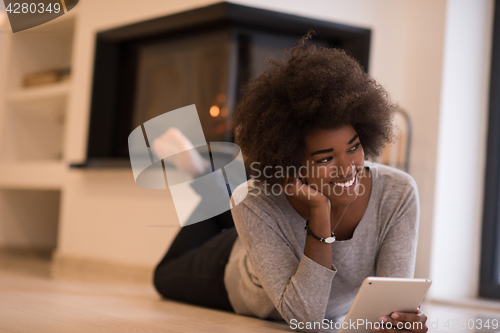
(25, 14)
(171, 150)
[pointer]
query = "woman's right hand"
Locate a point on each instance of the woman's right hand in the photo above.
(318, 217)
(298, 188)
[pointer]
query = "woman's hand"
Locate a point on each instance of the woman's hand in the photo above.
(404, 322)
(298, 188)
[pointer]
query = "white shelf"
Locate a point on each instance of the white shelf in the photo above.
(41, 175)
(33, 94)
(38, 49)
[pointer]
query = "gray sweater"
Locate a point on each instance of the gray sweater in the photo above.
(268, 276)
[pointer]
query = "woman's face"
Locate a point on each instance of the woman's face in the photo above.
(334, 160)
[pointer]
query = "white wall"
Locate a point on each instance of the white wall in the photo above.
(461, 149)
(421, 92)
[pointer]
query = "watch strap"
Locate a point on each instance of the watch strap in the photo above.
(328, 240)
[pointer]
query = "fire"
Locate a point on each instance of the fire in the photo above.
(214, 111)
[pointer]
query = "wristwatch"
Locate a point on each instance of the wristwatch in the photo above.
(328, 240)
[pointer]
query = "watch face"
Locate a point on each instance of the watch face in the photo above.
(330, 239)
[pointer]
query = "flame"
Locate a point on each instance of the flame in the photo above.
(214, 111)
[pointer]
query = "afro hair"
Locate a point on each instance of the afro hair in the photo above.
(315, 88)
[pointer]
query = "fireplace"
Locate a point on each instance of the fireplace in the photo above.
(204, 57)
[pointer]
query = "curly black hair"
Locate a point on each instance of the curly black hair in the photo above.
(315, 88)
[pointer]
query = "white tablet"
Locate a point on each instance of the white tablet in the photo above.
(380, 296)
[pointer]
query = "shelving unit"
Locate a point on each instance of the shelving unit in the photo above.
(35, 94)
(32, 125)
(32, 119)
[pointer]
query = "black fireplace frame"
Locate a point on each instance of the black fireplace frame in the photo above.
(115, 61)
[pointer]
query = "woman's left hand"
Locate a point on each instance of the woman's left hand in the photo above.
(404, 322)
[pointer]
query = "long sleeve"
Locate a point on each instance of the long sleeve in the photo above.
(397, 253)
(298, 287)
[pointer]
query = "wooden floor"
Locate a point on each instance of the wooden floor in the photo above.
(30, 301)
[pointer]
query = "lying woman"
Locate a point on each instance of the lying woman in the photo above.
(318, 217)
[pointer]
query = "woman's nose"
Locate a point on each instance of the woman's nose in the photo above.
(345, 167)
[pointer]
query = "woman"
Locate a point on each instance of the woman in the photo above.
(317, 218)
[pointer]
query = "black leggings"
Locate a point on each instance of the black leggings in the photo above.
(193, 268)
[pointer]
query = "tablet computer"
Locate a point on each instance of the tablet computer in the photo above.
(380, 296)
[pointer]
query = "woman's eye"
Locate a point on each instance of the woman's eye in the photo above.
(324, 160)
(353, 148)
